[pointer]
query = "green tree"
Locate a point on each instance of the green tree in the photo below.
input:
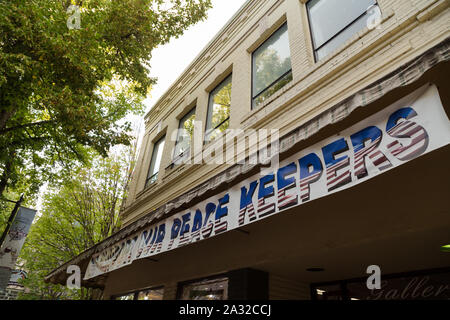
(74, 217)
(63, 90)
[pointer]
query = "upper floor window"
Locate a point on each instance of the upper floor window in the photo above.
(333, 22)
(184, 136)
(218, 119)
(155, 162)
(271, 66)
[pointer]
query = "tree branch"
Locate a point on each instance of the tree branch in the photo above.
(28, 125)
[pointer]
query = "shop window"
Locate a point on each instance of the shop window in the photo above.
(184, 137)
(212, 289)
(151, 294)
(333, 22)
(417, 285)
(218, 119)
(147, 294)
(129, 296)
(155, 162)
(271, 66)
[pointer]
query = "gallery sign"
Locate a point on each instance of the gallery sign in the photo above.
(409, 128)
(422, 285)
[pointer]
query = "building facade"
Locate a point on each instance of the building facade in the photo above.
(306, 142)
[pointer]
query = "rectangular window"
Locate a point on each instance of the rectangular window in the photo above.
(271, 66)
(125, 297)
(184, 137)
(333, 22)
(155, 162)
(151, 294)
(218, 119)
(147, 294)
(213, 289)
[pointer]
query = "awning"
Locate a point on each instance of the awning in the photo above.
(403, 76)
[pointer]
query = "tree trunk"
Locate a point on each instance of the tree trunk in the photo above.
(5, 176)
(4, 117)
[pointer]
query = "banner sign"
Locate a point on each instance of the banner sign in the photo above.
(411, 127)
(13, 243)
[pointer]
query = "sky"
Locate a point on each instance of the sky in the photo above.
(169, 61)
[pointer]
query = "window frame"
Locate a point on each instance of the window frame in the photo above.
(209, 110)
(148, 180)
(252, 98)
(175, 157)
(316, 59)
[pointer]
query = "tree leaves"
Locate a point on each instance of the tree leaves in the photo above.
(58, 91)
(81, 212)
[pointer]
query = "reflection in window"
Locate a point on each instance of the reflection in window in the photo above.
(333, 22)
(271, 66)
(125, 297)
(184, 137)
(218, 119)
(216, 289)
(417, 285)
(149, 294)
(155, 162)
(152, 294)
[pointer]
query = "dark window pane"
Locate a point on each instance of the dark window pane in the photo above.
(218, 110)
(271, 61)
(151, 294)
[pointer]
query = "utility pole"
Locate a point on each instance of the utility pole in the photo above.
(11, 218)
